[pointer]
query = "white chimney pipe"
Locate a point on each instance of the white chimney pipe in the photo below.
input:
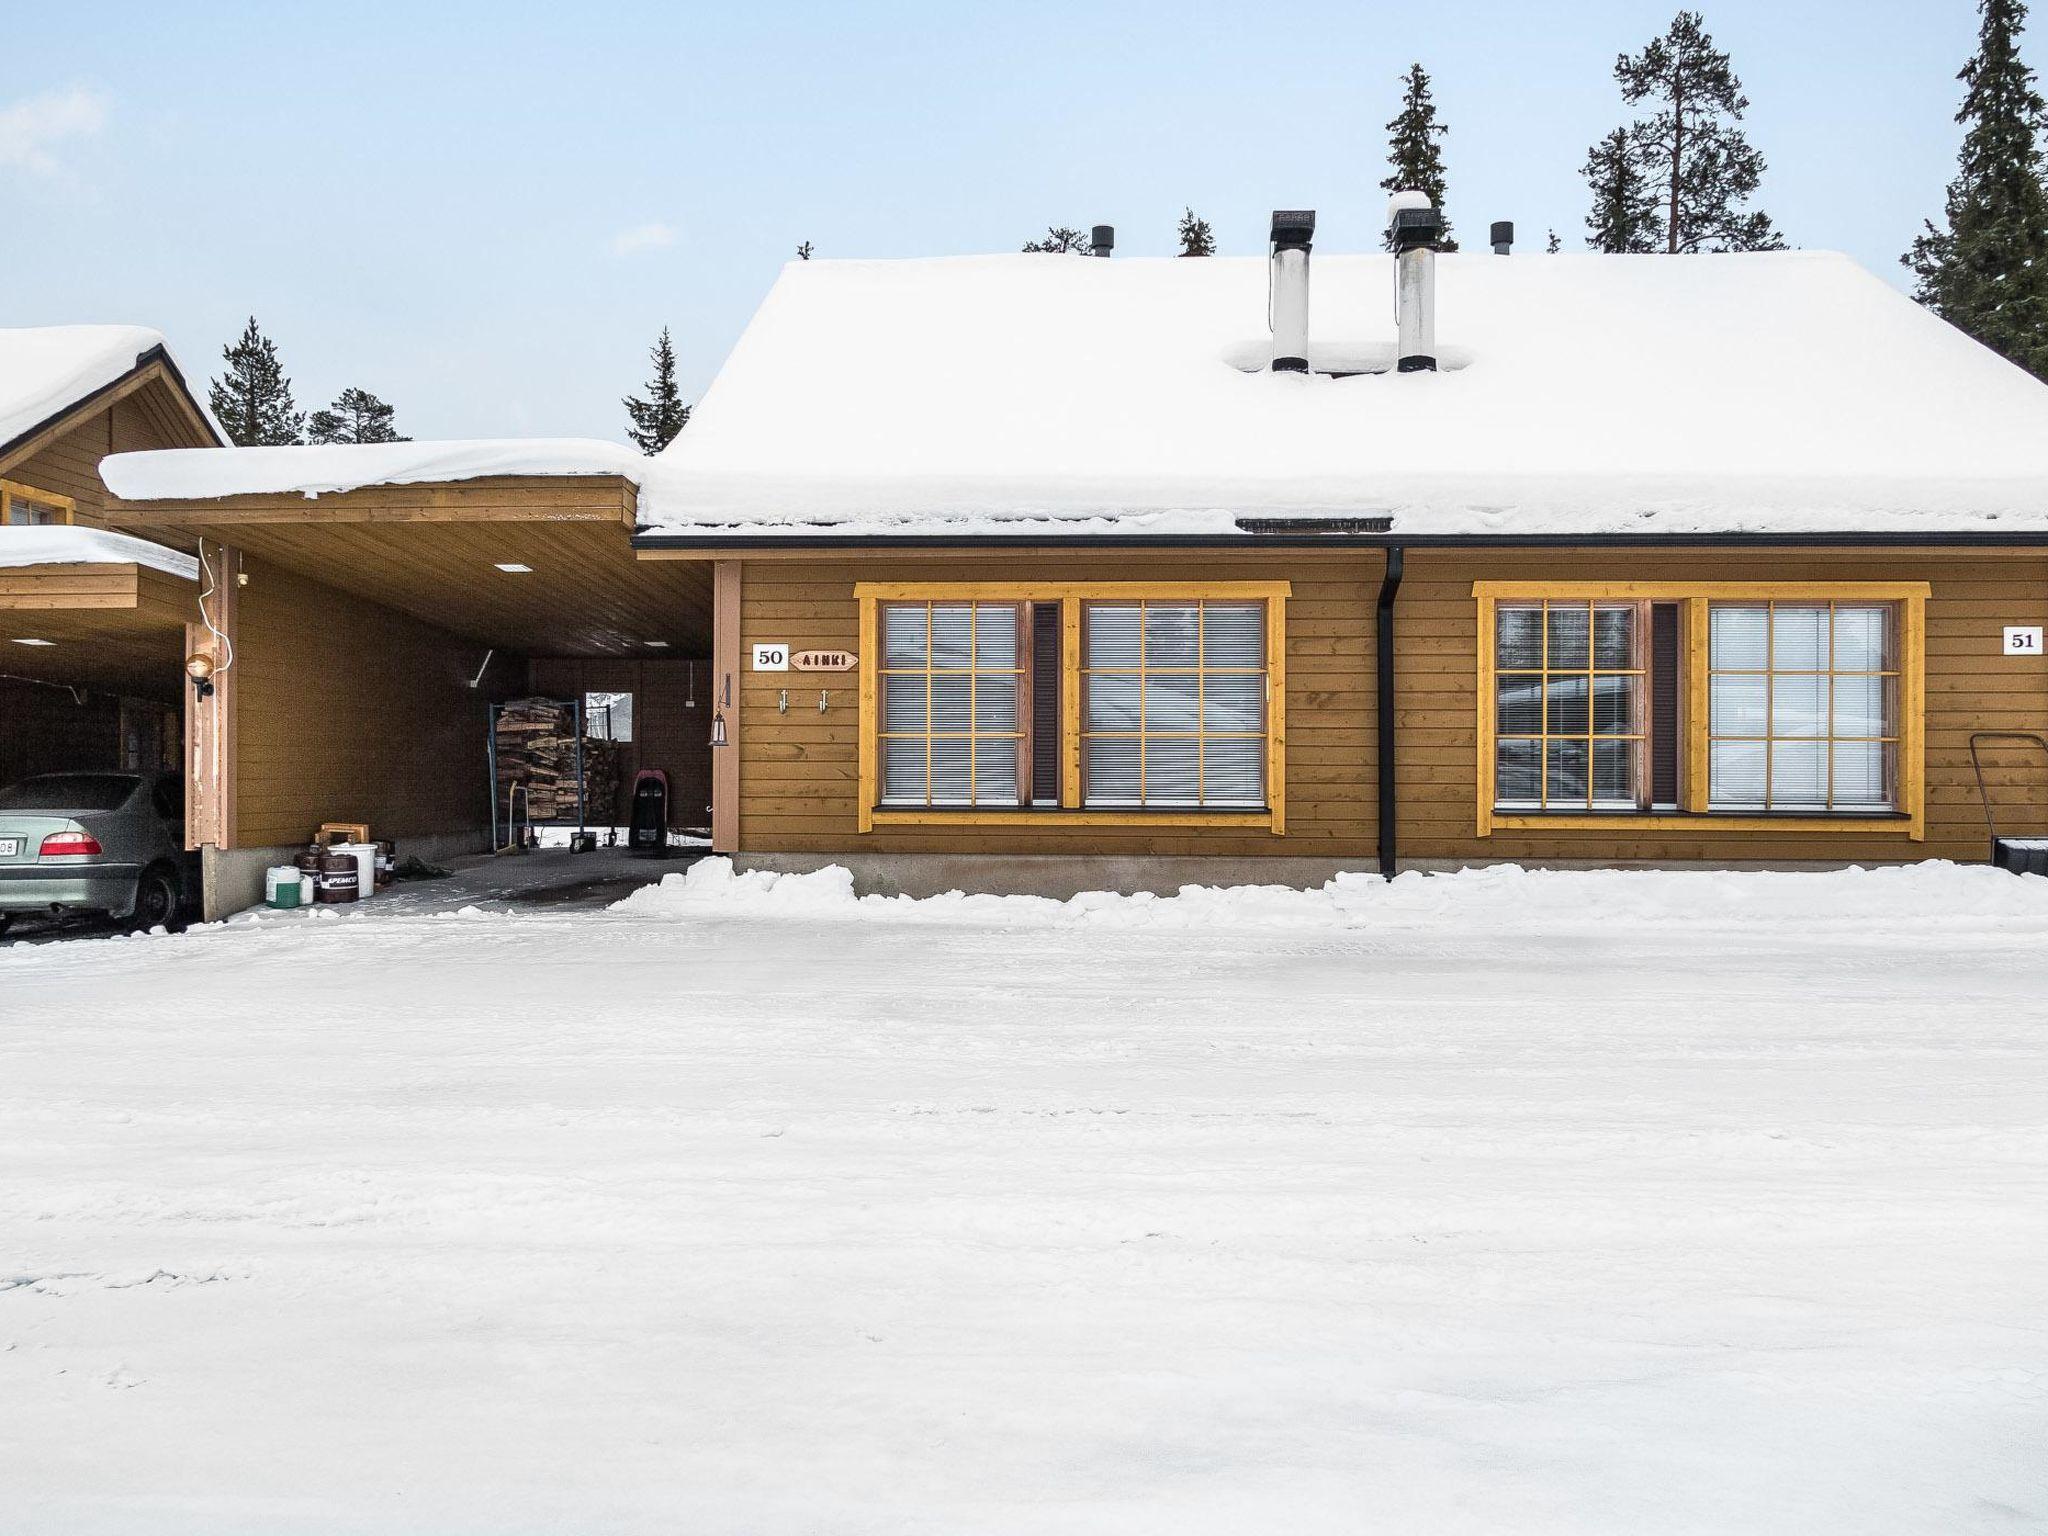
(1293, 233)
(1414, 227)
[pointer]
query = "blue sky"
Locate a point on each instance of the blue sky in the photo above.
(485, 212)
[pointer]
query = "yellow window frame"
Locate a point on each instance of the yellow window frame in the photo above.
(13, 490)
(1910, 818)
(872, 594)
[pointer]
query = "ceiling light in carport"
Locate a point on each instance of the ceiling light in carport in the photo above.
(514, 568)
(35, 642)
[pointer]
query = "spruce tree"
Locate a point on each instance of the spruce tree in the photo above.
(1414, 152)
(1691, 152)
(1553, 245)
(658, 418)
(803, 252)
(1060, 240)
(1987, 272)
(1196, 238)
(1624, 217)
(253, 399)
(357, 416)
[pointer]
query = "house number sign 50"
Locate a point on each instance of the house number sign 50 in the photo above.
(2023, 639)
(771, 658)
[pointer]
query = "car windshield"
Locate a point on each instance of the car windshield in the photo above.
(69, 792)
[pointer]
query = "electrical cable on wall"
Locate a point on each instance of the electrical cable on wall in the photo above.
(212, 588)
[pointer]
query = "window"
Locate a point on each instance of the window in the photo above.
(1106, 702)
(608, 716)
(1786, 704)
(1569, 705)
(952, 704)
(1175, 703)
(23, 506)
(1804, 707)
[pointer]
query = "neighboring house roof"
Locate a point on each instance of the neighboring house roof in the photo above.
(188, 474)
(24, 547)
(49, 371)
(1582, 394)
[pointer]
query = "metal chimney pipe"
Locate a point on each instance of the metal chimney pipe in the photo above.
(1503, 238)
(1293, 234)
(1414, 227)
(1102, 240)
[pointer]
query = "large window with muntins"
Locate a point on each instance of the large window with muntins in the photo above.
(1570, 720)
(1175, 703)
(1804, 712)
(952, 707)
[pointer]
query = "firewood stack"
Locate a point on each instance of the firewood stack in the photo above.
(537, 748)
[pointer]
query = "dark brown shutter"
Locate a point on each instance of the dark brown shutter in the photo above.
(1664, 704)
(1045, 703)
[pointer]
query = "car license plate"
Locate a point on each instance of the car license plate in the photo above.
(10, 847)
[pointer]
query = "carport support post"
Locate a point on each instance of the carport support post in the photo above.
(726, 664)
(210, 737)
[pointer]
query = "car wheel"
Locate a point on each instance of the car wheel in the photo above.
(156, 900)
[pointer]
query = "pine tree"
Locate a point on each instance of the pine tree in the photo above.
(357, 416)
(1624, 217)
(1413, 151)
(1060, 241)
(1196, 238)
(1702, 167)
(1987, 272)
(1553, 245)
(253, 399)
(658, 418)
(803, 252)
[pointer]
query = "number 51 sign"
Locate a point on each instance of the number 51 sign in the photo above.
(2023, 639)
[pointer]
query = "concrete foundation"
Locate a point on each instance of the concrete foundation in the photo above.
(234, 876)
(1063, 875)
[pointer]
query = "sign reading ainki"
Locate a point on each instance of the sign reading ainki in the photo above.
(824, 661)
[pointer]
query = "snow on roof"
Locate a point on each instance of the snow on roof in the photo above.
(47, 369)
(22, 547)
(1581, 394)
(183, 474)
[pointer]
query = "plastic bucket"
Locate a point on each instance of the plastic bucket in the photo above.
(281, 885)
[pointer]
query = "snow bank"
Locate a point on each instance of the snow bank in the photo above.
(21, 547)
(184, 474)
(46, 369)
(1471, 902)
(1772, 392)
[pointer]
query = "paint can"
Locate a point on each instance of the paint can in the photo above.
(340, 878)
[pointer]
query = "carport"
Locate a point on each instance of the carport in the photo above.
(93, 636)
(373, 627)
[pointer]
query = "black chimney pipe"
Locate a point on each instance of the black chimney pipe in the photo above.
(1102, 240)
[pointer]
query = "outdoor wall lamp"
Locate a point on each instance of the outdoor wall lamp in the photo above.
(199, 667)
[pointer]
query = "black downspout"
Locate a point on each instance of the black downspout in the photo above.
(1383, 654)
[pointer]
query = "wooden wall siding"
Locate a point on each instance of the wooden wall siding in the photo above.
(69, 464)
(799, 772)
(353, 712)
(1970, 687)
(667, 732)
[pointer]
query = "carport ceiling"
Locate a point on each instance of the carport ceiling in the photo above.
(138, 651)
(584, 593)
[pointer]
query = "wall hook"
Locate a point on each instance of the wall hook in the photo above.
(822, 706)
(782, 702)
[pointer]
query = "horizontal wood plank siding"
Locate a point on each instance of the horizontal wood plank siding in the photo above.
(800, 771)
(1970, 687)
(350, 711)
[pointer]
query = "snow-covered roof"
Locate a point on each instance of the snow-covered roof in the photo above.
(47, 369)
(22, 547)
(1581, 394)
(178, 474)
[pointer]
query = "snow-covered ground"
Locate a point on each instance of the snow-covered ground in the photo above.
(1488, 1203)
